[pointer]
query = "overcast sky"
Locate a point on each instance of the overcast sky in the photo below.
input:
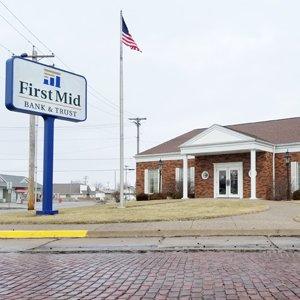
(203, 62)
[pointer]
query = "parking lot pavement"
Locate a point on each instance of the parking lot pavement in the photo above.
(16, 207)
(167, 275)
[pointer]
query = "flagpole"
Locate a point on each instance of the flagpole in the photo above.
(122, 201)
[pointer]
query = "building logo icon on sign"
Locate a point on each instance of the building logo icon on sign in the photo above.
(52, 78)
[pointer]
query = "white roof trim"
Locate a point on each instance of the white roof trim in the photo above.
(156, 154)
(292, 147)
(224, 148)
(237, 136)
(258, 145)
(157, 157)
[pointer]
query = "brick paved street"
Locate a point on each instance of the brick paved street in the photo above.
(170, 275)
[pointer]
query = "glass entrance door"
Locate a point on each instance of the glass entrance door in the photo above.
(233, 187)
(222, 182)
(228, 182)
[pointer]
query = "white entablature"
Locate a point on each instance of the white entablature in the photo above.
(219, 139)
(217, 134)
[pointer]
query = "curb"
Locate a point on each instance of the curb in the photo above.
(196, 233)
(42, 234)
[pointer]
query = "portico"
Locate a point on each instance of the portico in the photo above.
(222, 177)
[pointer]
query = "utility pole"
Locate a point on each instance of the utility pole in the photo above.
(36, 154)
(32, 153)
(137, 122)
(115, 173)
(32, 143)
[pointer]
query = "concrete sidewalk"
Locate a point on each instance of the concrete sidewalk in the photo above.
(277, 221)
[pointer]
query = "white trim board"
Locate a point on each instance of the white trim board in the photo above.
(224, 148)
(215, 149)
(163, 157)
(292, 147)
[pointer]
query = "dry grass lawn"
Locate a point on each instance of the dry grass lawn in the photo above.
(142, 211)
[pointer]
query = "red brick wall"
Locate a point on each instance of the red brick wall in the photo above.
(204, 188)
(168, 173)
(281, 171)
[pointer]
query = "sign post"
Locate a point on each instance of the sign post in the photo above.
(52, 93)
(47, 204)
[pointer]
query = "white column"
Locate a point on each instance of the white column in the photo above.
(185, 177)
(253, 174)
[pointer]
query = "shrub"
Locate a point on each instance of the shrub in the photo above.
(116, 196)
(280, 192)
(176, 195)
(158, 196)
(296, 195)
(142, 197)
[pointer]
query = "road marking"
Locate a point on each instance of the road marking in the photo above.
(38, 234)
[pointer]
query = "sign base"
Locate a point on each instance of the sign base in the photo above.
(43, 213)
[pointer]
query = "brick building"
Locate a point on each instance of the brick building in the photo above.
(236, 161)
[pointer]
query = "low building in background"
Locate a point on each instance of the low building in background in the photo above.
(129, 193)
(73, 190)
(14, 188)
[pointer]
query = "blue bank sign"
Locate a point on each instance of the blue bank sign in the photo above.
(35, 88)
(52, 93)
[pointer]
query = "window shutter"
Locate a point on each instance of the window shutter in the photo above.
(192, 174)
(294, 176)
(177, 178)
(146, 182)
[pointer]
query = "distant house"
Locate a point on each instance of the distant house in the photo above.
(72, 190)
(105, 194)
(14, 188)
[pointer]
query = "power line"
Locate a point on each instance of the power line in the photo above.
(26, 27)
(21, 34)
(7, 49)
(107, 125)
(104, 98)
(68, 140)
(114, 105)
(17, 30)
(71, 159)
(77, 151)
(62, 171)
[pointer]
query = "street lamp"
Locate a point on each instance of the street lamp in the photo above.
(288, 163)
(160, 166)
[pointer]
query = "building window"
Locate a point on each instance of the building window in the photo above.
(298, 177)
(153, 181)
(295, 176)
(191, 180)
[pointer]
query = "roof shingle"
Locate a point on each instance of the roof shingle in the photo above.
(281, 131)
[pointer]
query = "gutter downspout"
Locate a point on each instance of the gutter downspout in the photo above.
(273, 175)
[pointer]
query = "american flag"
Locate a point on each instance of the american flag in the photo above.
(127, 38)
